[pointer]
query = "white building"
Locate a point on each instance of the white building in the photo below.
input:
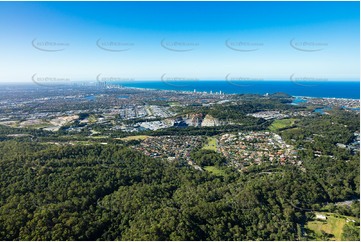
(321, 216)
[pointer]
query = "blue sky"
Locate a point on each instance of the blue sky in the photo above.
(202, 40)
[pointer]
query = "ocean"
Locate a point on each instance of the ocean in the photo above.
(331, 89)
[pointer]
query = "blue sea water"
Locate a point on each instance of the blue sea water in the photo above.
(336, 89)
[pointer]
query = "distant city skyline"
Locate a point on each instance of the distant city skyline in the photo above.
(131, 41)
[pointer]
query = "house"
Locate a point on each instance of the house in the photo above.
(350, 220)
(321, 217)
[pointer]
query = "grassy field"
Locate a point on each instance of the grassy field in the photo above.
(174, 104)
(92, 118)
(280, 124)
(332, 226)
(94, 132)
(37, 126)
(214, 170)
(135, 137)
(13, 124)
(99, 137)
(211, 145)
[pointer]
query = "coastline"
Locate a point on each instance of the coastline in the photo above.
(225, 93)
(347, 90)
(309, 97)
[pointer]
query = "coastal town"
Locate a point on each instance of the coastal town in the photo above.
(115, 112)
(118, 106)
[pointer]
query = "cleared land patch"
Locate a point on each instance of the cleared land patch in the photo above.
(281, 124)
(211, 145)
(333, 226)
(135, 137)
(215, 170)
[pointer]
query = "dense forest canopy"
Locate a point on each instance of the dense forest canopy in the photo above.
(110, 192)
